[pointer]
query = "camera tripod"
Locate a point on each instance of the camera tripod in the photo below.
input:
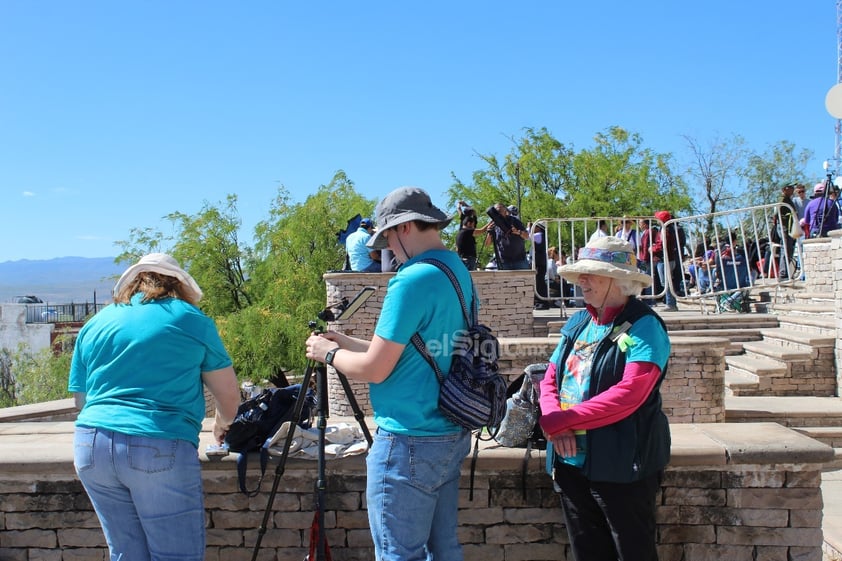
(346, 310)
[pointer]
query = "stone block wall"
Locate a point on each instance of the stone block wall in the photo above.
(818, 263)
(720, 499)
(836, 267)
(505, 304)
(693, 392)
(694, 388)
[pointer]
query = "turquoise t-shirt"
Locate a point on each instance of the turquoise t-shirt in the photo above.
(140, 367)
(359, 254)
(648, 343)
(419, 298)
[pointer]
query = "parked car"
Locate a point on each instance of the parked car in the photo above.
(27, 300)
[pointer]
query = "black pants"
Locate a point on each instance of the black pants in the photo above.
(609, 521)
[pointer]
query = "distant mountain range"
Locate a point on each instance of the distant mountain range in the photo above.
(60, 281)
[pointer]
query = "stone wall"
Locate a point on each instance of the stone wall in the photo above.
(505, 299)
(693, 392)
(836, 272)
(505, 303)
(823, 263)
(818, 263)
(733, 491)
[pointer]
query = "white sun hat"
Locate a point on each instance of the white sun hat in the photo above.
(607, 256)
(162, 264)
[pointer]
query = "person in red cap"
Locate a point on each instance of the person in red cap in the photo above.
(666, 253)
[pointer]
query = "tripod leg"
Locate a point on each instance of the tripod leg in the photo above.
(279, 471)
(355, 407)
(321, 480)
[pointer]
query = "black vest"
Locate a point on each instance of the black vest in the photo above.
(639, 445)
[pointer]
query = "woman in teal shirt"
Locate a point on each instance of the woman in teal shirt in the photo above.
(138, 371)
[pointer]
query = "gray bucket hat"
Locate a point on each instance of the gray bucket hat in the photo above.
(405, 205)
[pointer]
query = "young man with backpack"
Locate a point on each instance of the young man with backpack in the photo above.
(414, 464)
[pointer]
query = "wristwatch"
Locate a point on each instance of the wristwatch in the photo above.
(329, 356)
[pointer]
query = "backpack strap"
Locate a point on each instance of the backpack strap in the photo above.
(471, 319)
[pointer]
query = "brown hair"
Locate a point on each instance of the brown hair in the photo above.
(154, 286)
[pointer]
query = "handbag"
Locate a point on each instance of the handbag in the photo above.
(795, 231)
(522, 412)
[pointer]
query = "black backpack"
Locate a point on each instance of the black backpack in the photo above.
(258, 419)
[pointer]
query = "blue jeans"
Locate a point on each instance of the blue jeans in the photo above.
(669, 298)
(413, 495)
(147, 493)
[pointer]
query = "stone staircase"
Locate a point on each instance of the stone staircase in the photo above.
(795, 358)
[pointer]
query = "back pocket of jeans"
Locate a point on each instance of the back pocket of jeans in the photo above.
(83, 448)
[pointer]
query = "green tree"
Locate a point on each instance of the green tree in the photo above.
(294, 248)
(620, 177)
(205, 244)
(617, 176)
(209, 245)
(765, 172)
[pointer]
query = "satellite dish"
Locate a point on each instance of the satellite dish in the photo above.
(833, 101)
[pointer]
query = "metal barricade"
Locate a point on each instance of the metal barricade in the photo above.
(733, 251)
(568, 235)
(723, 256)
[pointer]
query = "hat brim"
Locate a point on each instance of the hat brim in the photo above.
(573, 271)
(190, 286)
(378, 240)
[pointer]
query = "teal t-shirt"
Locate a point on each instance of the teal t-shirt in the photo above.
(140, 367)
(648, 342)
(419, 298)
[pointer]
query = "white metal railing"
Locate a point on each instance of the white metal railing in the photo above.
(725, 254)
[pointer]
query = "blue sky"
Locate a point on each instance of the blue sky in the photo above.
(114, 114)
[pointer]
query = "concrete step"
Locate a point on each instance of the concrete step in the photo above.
(832, 436)
(740, 381)
(794, 411)
(807, 339)
(730, 333)
(803, 308)
(814, 296)
(686, 319)
(767, 350)
(759, 367)
(821, 324)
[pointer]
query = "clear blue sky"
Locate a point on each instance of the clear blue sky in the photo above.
(113, 114)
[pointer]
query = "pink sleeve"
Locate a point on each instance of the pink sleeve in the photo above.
(612, 405)
(549, 392)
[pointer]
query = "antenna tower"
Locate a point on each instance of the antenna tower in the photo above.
(837, 152)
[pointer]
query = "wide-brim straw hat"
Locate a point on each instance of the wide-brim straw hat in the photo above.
(607, 256)
(405, 205)
(162, 264)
